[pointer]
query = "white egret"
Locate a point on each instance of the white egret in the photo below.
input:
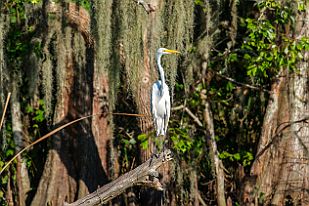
(160, 97)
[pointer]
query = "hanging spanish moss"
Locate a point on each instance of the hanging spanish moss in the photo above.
(171, 28)
(131, 37)
(179, 19)
(200, 57)
(2, 34)
(104, 51)
(3, 78)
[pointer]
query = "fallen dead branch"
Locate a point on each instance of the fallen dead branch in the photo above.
(146, 174)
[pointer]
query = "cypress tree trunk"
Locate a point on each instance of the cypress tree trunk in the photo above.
(75, 75)
(102, 124)
(281, 165)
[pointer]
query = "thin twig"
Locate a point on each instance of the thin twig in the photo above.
(178, 107)
(277, 134)
(5, 108)
(128, 114)
(57, 130)
(41, 139)
(195, 118)
(242, 84)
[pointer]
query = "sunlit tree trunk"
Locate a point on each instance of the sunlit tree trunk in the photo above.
(102, 124)
(282, 158)
(77, 162)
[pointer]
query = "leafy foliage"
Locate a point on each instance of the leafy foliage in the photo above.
(182, 142)
(264, 47)
(267, 47)
(7, 152)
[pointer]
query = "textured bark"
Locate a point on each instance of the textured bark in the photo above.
(76, 164)
(56, 185)
(194, 192)
(146, 79)
(102, 125)
(265, 166)
(22, 177)
(9, 193)
(282, 158)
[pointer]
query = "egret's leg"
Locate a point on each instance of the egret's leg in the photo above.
(159, 126)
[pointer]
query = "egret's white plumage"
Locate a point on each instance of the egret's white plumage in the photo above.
(160, 97)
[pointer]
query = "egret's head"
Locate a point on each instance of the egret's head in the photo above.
(162, 51)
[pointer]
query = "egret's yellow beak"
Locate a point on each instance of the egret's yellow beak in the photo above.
(171, 51)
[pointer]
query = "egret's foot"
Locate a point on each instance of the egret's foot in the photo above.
(154, 155)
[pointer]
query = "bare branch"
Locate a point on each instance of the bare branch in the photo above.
(218, 165)
(242, 84)
(57, 130)
(146, 174)
(278, 131)
(5, 108)
(203, 203)
(194, 117)
(186, 109)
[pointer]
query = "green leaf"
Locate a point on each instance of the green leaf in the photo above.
(144, 145)
(29, 109)
(236, 156)
(39, 116)
(233, 57)
(247, 57)
(9, 152)
(142, 137)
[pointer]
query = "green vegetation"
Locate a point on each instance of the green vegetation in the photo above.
(233, 74)
(7, 152)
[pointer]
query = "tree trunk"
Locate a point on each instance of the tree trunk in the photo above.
(102, 124)
(281, 165)
(58, 183)
(78, 161)
(22, 177)
(217, 163)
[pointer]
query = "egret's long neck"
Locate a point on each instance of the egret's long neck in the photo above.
(161, 71)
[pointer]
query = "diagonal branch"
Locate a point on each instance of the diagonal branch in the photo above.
(5, 108)
(242, 84)
(145, 174)
(278, 131)
(186, 109)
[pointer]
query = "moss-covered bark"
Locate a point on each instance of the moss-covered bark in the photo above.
(75, 83)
